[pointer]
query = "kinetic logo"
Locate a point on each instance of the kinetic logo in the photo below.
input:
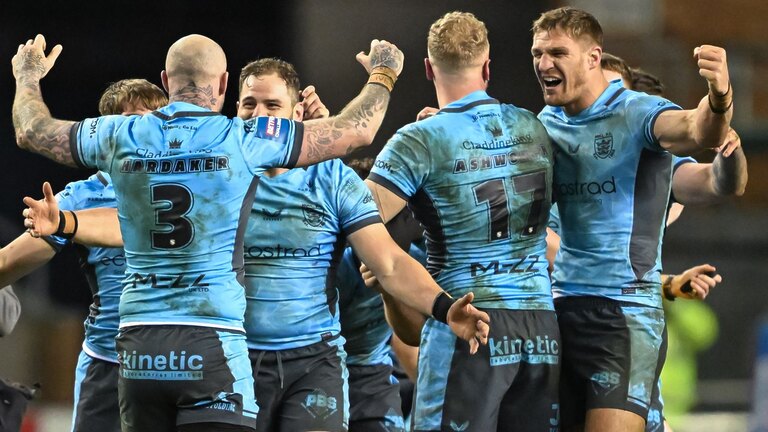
(541, 350)
(161, 367)
(319, 404)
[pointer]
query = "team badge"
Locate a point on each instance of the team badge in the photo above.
(314, 215)
(604, 146)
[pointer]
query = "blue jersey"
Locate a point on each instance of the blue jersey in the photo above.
(477, 176)
(295, 238)
(612, 183)
(104, 267)
(363, 324)
(184, 177)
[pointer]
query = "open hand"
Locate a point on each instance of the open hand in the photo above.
(30, 60)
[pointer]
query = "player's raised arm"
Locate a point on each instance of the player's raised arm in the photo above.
(36, 130)
(684, 132)
(358, 122)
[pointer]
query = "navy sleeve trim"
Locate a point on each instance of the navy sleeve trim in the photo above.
(388, 185)
(298, 140)
(56, 246)
(655, 140)
(681, 163)
(74, 132)
(362, 224)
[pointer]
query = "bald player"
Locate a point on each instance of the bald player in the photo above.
(185, 177)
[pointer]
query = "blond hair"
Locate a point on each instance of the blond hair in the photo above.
(135, 92)
(576, 23)
(456, 41)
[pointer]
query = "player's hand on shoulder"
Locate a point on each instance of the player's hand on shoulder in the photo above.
(469, 323)
(426, 112)
(731, 143)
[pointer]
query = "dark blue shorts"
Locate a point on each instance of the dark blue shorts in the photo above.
(173, 375)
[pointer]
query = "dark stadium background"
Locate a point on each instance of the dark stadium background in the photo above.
(107, 41)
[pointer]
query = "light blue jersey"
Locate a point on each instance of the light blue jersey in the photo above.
(363, 324)
(104, 268)
(477, 176)
(612, 183)
(295, 238)
(184, 177)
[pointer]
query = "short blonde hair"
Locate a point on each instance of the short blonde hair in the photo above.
(134, 91)
(456, 40)
(576, 23)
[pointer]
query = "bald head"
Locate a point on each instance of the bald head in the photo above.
(196, 57)
(196, 64)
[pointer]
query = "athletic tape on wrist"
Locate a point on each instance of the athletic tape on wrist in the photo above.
(440, 307)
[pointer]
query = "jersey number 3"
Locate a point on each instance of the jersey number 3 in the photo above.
(493, 194)
(181, 229)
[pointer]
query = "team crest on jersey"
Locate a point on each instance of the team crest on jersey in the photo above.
(314, 215)
(604, 146)
(174, 144)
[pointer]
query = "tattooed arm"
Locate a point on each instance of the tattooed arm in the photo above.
(36, 130)
(358, 122)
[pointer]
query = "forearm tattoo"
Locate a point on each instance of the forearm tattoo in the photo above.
(35, 129)
(200, 96)
(340, 135)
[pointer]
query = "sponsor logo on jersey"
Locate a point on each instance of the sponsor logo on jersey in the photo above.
(573, 149)
(386, 166)
(368, 198)
(468, 144)
(92, 128)
(194, 282)
(526, 264)
(314, 215)
(537, 350)
(604, 146)
(115, 260)
(279, 251)
(163, 367)
(598, 187)
(175, 144)
(274, 215)
(605, 382)
(319, 405)
(485, 115)
(273, 127)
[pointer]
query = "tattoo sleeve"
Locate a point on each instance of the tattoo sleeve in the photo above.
(353, 127)
(35, 129)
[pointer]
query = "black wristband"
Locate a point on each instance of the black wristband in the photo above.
(440, 307)
(60, 230)
(720, 95)
(666, 288)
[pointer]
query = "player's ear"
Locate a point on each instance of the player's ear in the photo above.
(487, 70)
(164, 80)
(595, 56)
(298, 112)
(428, 69)
(223, 83)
